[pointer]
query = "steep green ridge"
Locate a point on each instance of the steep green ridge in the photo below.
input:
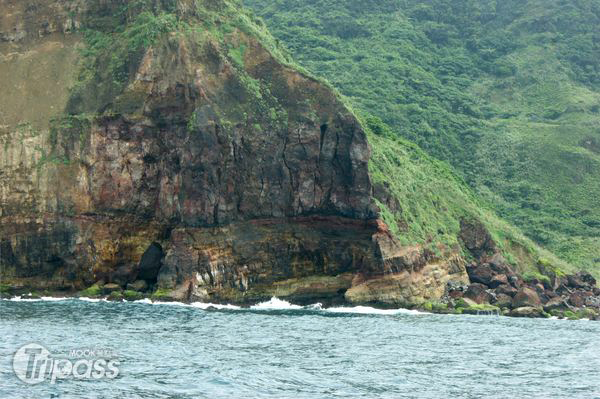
(117, 34)
(430, 200)
(507, 91)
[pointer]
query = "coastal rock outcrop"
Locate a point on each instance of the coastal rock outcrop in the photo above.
(494, 281)
(195, 159)
(526, 297)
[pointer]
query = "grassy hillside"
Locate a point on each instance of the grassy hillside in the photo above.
(430, 201)
(506, 91)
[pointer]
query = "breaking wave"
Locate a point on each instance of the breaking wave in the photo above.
(274, 304)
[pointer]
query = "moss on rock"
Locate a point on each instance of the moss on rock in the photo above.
(91, 292)
(115, 296)
(131, 295)
(162, 294)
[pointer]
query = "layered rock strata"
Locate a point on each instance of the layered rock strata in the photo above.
(214, 171)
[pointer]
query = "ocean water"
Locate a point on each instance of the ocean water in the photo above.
(277, 350)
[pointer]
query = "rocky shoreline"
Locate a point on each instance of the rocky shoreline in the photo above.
(496, 287)
(571, 297)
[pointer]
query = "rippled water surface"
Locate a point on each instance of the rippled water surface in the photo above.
(279, 351)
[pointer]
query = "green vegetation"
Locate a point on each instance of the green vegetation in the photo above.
(587, 313)
(162, 295)
(131, 295)
(483, 308)
(462, 307)
(116, 296)
(435, 307)
(507, 92)
(530, 276)
(430, 200)
(118, 35)
(91, 292)
(66, 128)
(115, 45)
(237, 55)
(580, 314)
(570, 315)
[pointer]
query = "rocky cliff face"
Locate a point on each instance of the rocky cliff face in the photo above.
(203, 163)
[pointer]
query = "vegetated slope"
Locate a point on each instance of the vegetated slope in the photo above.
(426, 204)
(507, 91)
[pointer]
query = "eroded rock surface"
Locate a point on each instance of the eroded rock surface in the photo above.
(216, 172)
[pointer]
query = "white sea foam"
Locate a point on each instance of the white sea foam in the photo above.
(19, 299)
(170, 303)
(279, 304)
(145, 300)
(275, 304)
(315, 306)
(44, 298)
(55, 299)
(370, 310)
(198, 305)
(93, 300)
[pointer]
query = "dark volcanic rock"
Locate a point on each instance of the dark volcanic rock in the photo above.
(578, 298)
(539, 287)
(527, 311)
(123, 274)
(478, 293)
(515, 281)
(498, 280)
(501, 267)
(526, 297)
(150, 264)
(138, 285)
(476, 237)
(107, 289)
(482, 274)
(557, 303)
(506, 290)
(455, 289)
(582, 280)
(550, 294)
(502, 301)
(260, 171)
(592, 302)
